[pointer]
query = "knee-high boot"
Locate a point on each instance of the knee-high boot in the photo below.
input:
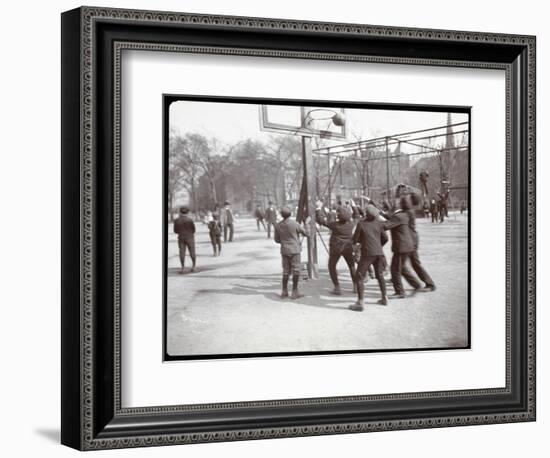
(295, 292)
(284, 292)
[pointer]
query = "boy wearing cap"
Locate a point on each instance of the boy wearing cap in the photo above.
(226, 220)
(371, 236)
(287, 234)
(403, 247)
(185, 228)
(215, 233)
(340, 244)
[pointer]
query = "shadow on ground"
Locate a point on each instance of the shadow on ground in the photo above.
(314, 295)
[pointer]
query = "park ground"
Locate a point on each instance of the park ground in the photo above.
(231, 304)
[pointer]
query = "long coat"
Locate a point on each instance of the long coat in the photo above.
(412, 226)
(402, 239)
(271, 215)
(259, 214)
(184, 227)
(226, 216)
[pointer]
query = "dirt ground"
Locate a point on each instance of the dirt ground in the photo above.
(231, 304)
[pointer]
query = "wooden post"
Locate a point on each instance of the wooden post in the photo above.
(329, 181)
(441, 172)
(309, 180)
(387, 170)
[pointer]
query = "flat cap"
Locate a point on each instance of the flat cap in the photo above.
(285, 212)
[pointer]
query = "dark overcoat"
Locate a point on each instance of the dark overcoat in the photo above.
(402, 239)
(184, 227)
(370, 233)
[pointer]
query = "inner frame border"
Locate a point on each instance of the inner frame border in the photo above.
(168, 99)
(119, 48)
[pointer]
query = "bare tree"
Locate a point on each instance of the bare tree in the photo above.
(212, 164)
(365, 156)
(284, 152)
(249, 172)
(185, 156)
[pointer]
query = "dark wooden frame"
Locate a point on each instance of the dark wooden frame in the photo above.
(92, 42)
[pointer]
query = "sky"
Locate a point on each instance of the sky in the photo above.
(233, 122)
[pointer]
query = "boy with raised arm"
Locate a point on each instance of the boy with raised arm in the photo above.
(371, 236)
(340, 244)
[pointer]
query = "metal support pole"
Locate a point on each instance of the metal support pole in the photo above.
(441, 176)
(387, 169)
(307, 159)
(340, 170)
(399, 164)
(329, 181)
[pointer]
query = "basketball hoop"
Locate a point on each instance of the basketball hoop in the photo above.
(325, 114)
(329, 123)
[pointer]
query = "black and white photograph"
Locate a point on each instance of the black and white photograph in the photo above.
(314, 227)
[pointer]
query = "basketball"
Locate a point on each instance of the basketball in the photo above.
(339, 119)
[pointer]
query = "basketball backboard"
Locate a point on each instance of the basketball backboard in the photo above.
(320, 122)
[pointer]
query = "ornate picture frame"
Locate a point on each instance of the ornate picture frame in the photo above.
(92, 413)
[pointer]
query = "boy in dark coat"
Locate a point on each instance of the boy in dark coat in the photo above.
(442, 206)
(340, 244)
(371, 236)
(433, 210)
(226, 219)
(185, 228)
(402, 247)
(415, 258)
(259, 214)
(287, 234)
(215, 232)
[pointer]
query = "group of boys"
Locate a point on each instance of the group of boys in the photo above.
(369, 233)
(269, 217)
(218, 222)
(366, 232)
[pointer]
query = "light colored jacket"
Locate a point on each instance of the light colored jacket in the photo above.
(226, 216)
(287, 234)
